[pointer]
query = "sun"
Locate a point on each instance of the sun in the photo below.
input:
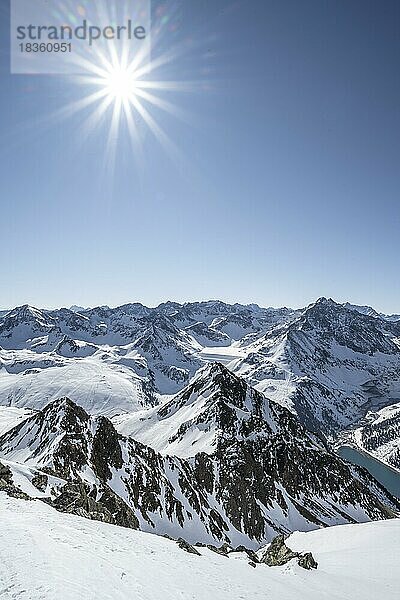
(120, 84)
(123, 94)
(124, 91)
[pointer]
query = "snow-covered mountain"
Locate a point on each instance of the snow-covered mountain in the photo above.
(102, 380)
(237, 318)
(19, 327)
(115, 359)
(329, 365)
(247, 468)
(172, 353)
(121, 325)
(208, 423)
(368, 310)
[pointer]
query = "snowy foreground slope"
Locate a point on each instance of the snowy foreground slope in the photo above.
(53, 556)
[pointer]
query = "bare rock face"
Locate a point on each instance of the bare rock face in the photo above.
(307, 561)
(7, 484)
(40, 481)
(279, 554)
(77, 498)
(223, 550)
(187, 547)
(5, 475)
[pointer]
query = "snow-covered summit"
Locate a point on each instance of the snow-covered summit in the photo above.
(319, 363)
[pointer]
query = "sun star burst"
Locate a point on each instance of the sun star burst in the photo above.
(122, 93)
(120, 84)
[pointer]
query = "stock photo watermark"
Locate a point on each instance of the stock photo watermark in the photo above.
(64, 36)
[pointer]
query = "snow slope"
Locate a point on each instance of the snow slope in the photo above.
(109, 381)
(53, 556)
(11, 416)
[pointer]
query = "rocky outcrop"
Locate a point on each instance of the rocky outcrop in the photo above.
(106, 450)
(223, 550)
(187, 547)
(278, 554)
(5, 475)
(40, 481)
(79, 499)
(7, 484)
(307, 561)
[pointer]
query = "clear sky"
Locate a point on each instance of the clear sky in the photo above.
(289, 186)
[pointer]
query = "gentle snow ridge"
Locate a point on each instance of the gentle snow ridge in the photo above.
(53, 556)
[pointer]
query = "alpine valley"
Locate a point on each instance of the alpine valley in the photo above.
(214, 425)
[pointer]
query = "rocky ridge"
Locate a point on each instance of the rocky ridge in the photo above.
(265, 474)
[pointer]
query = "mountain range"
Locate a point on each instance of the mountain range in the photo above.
(206, 421)
(214, 425)
(209, 422)
(240, 470)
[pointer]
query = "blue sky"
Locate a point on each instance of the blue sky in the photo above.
(289, 187)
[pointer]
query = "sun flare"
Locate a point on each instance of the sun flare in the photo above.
(120, 84)
(125, 91)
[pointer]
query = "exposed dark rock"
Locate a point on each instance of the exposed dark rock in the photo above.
(106, 451)
(187, 547)
(77, 498)
(5, 475)
(253, 556)
(40, 481)
(278, 553)
(7, 484)
(307, 561)
(226, 548)
(121, 513)
(223, 550)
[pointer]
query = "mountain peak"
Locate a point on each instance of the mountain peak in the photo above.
(65, 413)
(324, 302)
(214, 368)
(56, 437)
(26, 312)
(217, 374)
(213, 385)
